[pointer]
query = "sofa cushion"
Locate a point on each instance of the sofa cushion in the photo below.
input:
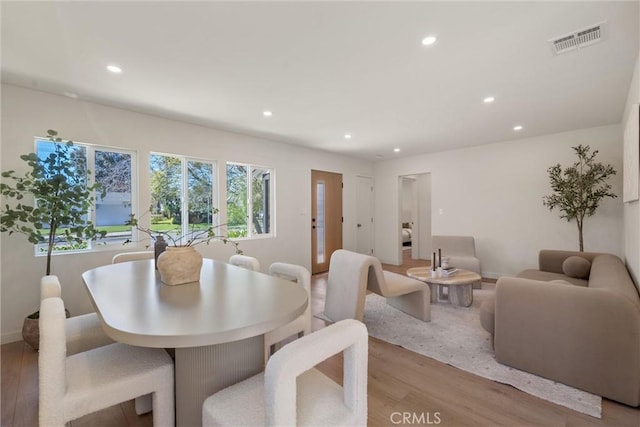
(546, 276)
(575, 266)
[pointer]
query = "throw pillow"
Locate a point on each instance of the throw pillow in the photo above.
(576, 266)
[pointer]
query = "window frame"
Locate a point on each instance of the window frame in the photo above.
(272, 200)
(184, 196)
(96, 245)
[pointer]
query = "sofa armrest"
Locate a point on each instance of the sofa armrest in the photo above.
(551, 260)
(587, 338)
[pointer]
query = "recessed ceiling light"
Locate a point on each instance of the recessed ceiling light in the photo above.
(488, 99)
(429, 40)
(347, 136)
(396, 150)
(267, 113)
(114, 69)
(517, 128)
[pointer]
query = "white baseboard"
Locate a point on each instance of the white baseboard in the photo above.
(11, 337)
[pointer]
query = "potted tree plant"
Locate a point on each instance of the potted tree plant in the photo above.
(51, 202)
(578, 189)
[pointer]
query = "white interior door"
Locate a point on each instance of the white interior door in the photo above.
(364, 215)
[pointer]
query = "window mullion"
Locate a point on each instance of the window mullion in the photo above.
(91, 166)
(249, 204)
(185, 198)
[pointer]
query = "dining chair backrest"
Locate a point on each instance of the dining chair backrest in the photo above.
(83, 332)
(50, 287)
(292, 392)
(132, 256)
(292, 272)
(244, 261)
(302, 324)
(51, 361)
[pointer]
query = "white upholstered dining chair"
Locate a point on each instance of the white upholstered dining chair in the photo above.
(132, 256)
(300, 326)
(292, 392)
(85, 332)
(143, 403)
(82, 332)
(244, 261)
(73, 386)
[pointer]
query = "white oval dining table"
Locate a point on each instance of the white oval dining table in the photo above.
(216, 325)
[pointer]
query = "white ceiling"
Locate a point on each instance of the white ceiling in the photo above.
(329, 68)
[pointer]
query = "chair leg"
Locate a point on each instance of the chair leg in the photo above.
(143, 404)
(163, 408)
(268, 351)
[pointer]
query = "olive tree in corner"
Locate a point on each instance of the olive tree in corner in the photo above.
(578, 189)
(50, 204)
(52, 199)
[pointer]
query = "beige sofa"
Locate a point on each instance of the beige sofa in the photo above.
(461, 251)
(581, 332)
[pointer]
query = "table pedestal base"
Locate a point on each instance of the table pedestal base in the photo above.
(201, 371)
(460, 295)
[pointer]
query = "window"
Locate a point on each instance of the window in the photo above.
(114, 170)
(182, 197)
(249, 200)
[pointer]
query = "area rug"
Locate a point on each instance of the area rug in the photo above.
(455, 336)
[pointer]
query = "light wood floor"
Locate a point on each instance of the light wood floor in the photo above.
(401, 384)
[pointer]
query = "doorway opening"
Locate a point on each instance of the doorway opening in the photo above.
(415, 216)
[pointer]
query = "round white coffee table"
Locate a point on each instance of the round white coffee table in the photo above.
(457, 288)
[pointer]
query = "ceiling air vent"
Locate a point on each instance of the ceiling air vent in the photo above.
(578, 39)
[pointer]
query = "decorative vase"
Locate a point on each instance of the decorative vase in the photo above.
(31, 329)
(179, 265)
(159, 247)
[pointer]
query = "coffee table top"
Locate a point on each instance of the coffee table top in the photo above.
(460, 277)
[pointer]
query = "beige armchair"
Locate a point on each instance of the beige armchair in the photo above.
(461, 251)
(352, 274)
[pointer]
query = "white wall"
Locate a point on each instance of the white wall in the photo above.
(631, 209)
(28, 113)
(408, 201)
(424, 215)
(494, 193)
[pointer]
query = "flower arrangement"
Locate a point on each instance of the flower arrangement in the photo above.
(195, 236)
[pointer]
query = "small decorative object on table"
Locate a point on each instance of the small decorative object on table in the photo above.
(433, 265)
(450, 271)
(445, 262)
(159, 247)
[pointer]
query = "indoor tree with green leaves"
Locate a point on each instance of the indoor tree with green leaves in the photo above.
(578, 189)
(52, 199)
